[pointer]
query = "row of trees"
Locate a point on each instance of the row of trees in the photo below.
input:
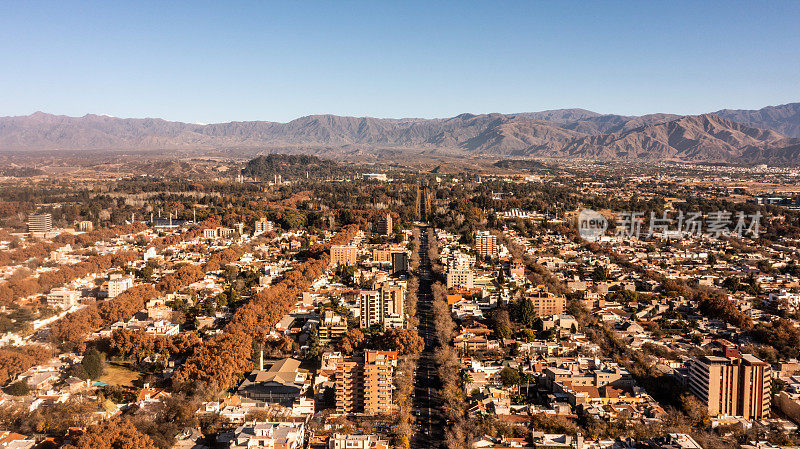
(71, 331)
(23, 286)
(139, 344)
(41, 249)
(446, 358)
(221, 361)
(101, 234)
(450, 373)
(404, 378)
(404, 341)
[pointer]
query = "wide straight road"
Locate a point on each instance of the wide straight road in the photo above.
(427, 402)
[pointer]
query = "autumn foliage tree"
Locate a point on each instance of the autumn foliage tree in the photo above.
(15, 360)
(23, 286)
(129, 343)
(351, 341)
(222, 361)
(72, 330)
(114, 434)
(404, 341)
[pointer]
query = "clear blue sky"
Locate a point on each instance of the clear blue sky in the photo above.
(221, 61)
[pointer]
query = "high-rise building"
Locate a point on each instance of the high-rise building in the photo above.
(384, 306)
(392, 303)
(40, 223)
(516, 268)
(262, 226)
(378, 381)
(486, 244)
(118, 284)
(732, 384)
(385, 225)
(86, 226)
(457, 260)
(350, 385)
(399, 262)
(343, 255)
(364, 382)
(370, 307)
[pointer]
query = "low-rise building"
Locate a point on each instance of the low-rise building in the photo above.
(275, 435)
(347, 441)
(62, 298)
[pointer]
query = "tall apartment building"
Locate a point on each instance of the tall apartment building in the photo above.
(486, 244)
(369, 303)
(384, 306)
(364, 382)
(399, 262)
(378, 381)
(262, 226)
(40, 223)
(732, 385)
(461, 277)
(118, 284)
(382, 255)
(392, 303)
(385, 225)
(350, 385)
(343, 255)
(86, 226)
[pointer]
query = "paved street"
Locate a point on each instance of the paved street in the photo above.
(427, 403)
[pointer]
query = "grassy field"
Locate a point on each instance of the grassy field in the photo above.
(118, 374)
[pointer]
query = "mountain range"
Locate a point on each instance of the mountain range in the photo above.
(768, 135)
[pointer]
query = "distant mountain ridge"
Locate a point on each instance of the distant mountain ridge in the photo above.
(767, 135)
(784, 118)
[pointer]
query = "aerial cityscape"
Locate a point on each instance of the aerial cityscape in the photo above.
(330, 226)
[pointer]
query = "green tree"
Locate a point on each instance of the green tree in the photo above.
(509, 376)
(600, 273)
(93, 363)
(18, 388)
(526, 312)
